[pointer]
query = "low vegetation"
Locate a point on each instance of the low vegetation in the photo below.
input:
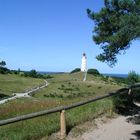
(32, 73)
(76, 70)
(94, 72)
(11, 83)
(3, 69)
(46, 125)
(64, 89)
(133, 77)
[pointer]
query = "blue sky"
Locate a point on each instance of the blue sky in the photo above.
(51, 35)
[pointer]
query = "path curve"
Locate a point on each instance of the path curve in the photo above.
(117, 129)
(25, 94)
(120, 128)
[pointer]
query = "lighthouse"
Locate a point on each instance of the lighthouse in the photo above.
(84, 63)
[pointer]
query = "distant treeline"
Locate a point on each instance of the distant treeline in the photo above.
(32, 73)
(132, 77)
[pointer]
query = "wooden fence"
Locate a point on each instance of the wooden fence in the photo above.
(62, 110)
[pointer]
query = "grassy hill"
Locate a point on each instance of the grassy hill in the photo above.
(11, 83)
(71, 86)
(63, 89)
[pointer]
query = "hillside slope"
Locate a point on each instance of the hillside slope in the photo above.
(10, 83)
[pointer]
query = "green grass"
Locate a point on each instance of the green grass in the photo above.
(33, 129)
(43, 126)
(14, 83)
(64, 89)
(71, 86)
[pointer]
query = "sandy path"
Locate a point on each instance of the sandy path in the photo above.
(117, 129)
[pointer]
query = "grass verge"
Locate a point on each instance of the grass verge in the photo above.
(37, 128)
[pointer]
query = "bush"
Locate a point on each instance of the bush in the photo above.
(48, 76)
(34, 74)
(4, 70)
(124, 102)
(93, 72)
(133, 77)
(76, 70)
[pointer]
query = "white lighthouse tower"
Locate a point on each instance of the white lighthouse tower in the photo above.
(84, 63)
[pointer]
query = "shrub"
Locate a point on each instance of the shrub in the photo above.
(123, 103)
(4, 70)
(62, 86)
(88, 86)
(40, 76)
(48, 76)
(133, 77)
(77, 88)
(93, 72)
(76, 70)
(33, 73)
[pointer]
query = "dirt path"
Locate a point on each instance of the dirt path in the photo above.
(117, 129)
(120, 128)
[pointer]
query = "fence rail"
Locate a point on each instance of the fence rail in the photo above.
(63, 108)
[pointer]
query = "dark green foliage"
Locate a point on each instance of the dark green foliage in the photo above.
(2, 64)
(69, 83)
(136, 94)
(3, 96)
(93, 72)
(62, 86)
(124, 102)
(69, 93)
(3, 69)
(16, 71)
(26, 74)
(133, 77)
(48, 76)
(116, 25)
(76, 70)
(34, 74)
(88, 86)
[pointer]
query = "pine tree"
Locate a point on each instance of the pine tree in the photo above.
(117, 24)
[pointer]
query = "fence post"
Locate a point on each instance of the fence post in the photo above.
(62, 125)
(129, 91)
